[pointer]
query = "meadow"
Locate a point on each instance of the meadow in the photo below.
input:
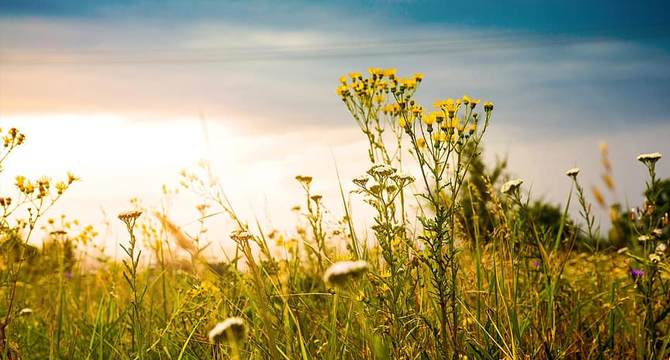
(461, 262)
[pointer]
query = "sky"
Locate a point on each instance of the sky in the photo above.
(127, 93)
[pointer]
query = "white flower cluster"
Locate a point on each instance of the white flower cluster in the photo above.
(572, 172)
(511, 186)
(649, 158)
(230, 330)
(342, 271)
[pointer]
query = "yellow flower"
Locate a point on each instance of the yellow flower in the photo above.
(450, 106)
(388, 72)
(358, 86)
(439, 137)
(466, 99)
(209, 287)
(385, 274)
(474, 102)
(417, 77)
(375, 71)
(355, 75)
(60, 187)
(417, 109)
(402, 122)
(20, 180)
(429, 119)
(408, 83)
(421, 142)
(378, 98)
(342, 90)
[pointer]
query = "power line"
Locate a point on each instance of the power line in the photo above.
(396, 47)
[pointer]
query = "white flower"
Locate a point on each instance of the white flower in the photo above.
(649, 159)
(230, 330)
(381, 170)
(241, 235)
(654, 258)
(643, 238)
(403, 178)
(342, 271)
(25, 312)
(661, 248)
(511, 186)
(572, 172)
(361, 181)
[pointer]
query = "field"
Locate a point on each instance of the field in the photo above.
(460, 263)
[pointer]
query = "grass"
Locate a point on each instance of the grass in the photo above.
(418, 287)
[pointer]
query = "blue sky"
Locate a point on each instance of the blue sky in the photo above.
(564, 75)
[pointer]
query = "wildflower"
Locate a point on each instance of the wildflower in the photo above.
(20, 181)
(72, 178)
(488, 106)
(343, 79)
(649, 159)
(636, 273)
(572, 172)
(623, 250)
(25, 312)
(429, 119)
(408, 83)
(241, 235)
(449, 106)
(375, 71)
(657, 232)
(654, 258)
(381, 170)
(304, 179)
(421, 142)
(361, 180)
(661, 249)
(417, 77)
(129, 216)
(355, 75)
(389, 72)
(233, 329)
(68, 275)
(643, 238)
(417, 109)
(342, 271)
(402, 178)
(342, 90)
(61, 187)
(511, 186)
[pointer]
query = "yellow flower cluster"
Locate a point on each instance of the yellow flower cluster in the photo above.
(42, 186)
(376, 87)
(13, 138)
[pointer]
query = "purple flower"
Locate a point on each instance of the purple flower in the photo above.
(635, 273)
(536, 263)
(69, 275)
